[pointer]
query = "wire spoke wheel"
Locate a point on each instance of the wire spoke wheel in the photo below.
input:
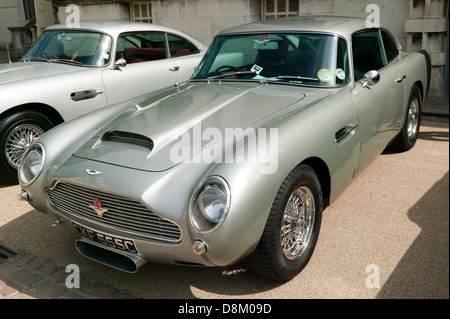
(297, 223)
(20, 138)
(413, 118)
(292, 227)
(407, 137)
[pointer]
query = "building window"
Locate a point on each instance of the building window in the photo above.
(141, 11)
(28, 5)
(272, 9)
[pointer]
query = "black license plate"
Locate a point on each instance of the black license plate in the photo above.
(106, 240)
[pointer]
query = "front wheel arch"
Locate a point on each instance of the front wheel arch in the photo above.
(273, 257)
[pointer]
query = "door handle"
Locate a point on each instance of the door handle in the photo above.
(175, 68)
(345, 132)
(84, 95)
(400, 79)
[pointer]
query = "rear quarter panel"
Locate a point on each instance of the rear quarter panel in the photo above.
(417, 68)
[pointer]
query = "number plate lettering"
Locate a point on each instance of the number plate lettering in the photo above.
(106, 240)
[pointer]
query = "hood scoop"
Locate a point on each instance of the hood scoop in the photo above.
(128, 138)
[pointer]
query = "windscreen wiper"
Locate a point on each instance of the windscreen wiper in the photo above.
(35, 59)
(229, 74)
(290, 77)
(66, 61)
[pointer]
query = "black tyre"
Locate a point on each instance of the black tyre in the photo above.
(17, 132)
(292, 228)
(408, 135)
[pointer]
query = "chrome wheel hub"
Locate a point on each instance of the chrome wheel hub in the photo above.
(20, 138)
(297, 223)
(413, 118)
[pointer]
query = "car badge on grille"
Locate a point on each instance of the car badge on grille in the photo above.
(98, 207)
(92, 172)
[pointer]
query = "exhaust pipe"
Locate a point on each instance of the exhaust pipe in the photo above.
(122, 261)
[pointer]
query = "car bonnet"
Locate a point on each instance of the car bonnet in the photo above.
(163, 132)
(32, 70)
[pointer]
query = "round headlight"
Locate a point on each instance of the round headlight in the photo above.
(210, 204)
(31, 164)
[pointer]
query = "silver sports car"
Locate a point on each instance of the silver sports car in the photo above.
(239, 162)
(72, 71)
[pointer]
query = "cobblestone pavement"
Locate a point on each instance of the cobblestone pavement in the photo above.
(25, 276)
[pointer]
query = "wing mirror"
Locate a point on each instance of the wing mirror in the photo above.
(370, 78)
(121, 63)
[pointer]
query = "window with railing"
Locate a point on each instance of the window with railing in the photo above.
(141, 11)
(272, 9)
(28, 6)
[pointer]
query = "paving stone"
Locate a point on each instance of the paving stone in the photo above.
(21, 295)
(59, 276)
(104, 292)
(19, 274)
(73, 294)
(48, 268)
(54, 291)
(24, 259)
(36, 263)
(32, 279)
(7, 291)
(7, 269)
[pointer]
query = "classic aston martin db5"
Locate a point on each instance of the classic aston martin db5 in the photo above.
(240, 162)
(72, 71)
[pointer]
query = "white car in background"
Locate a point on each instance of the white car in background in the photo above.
(72, 71)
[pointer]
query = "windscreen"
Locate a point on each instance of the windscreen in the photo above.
(297, 58)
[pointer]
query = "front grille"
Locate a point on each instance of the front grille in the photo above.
(123, 214)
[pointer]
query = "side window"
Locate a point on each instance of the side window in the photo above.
(367, 54)
(141, 47)
(390, 46)
(179, 46)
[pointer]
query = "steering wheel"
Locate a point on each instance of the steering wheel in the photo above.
(51, 54)
(230, 67)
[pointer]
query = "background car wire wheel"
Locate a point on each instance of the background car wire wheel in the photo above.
(17, 132)
(292, 228)
(410, 131)
(20, 138)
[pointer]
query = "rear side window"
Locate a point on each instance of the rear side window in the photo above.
(367, 54)
(390, 46)
(141, 47)
(179, 46)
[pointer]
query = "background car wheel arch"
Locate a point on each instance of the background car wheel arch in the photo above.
(48, 111)
(18, 131)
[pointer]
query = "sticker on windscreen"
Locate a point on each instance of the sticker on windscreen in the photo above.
(324, 75)
(257, 69)
(340, 74)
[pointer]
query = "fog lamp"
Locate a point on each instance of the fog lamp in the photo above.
(199, 247)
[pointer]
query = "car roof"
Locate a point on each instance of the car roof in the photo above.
(114, 28)
(344, 26)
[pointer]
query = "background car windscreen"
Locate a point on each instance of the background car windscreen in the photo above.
(86, 48)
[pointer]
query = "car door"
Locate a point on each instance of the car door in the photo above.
(378, 105)
(148, 67)
(184, 55)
